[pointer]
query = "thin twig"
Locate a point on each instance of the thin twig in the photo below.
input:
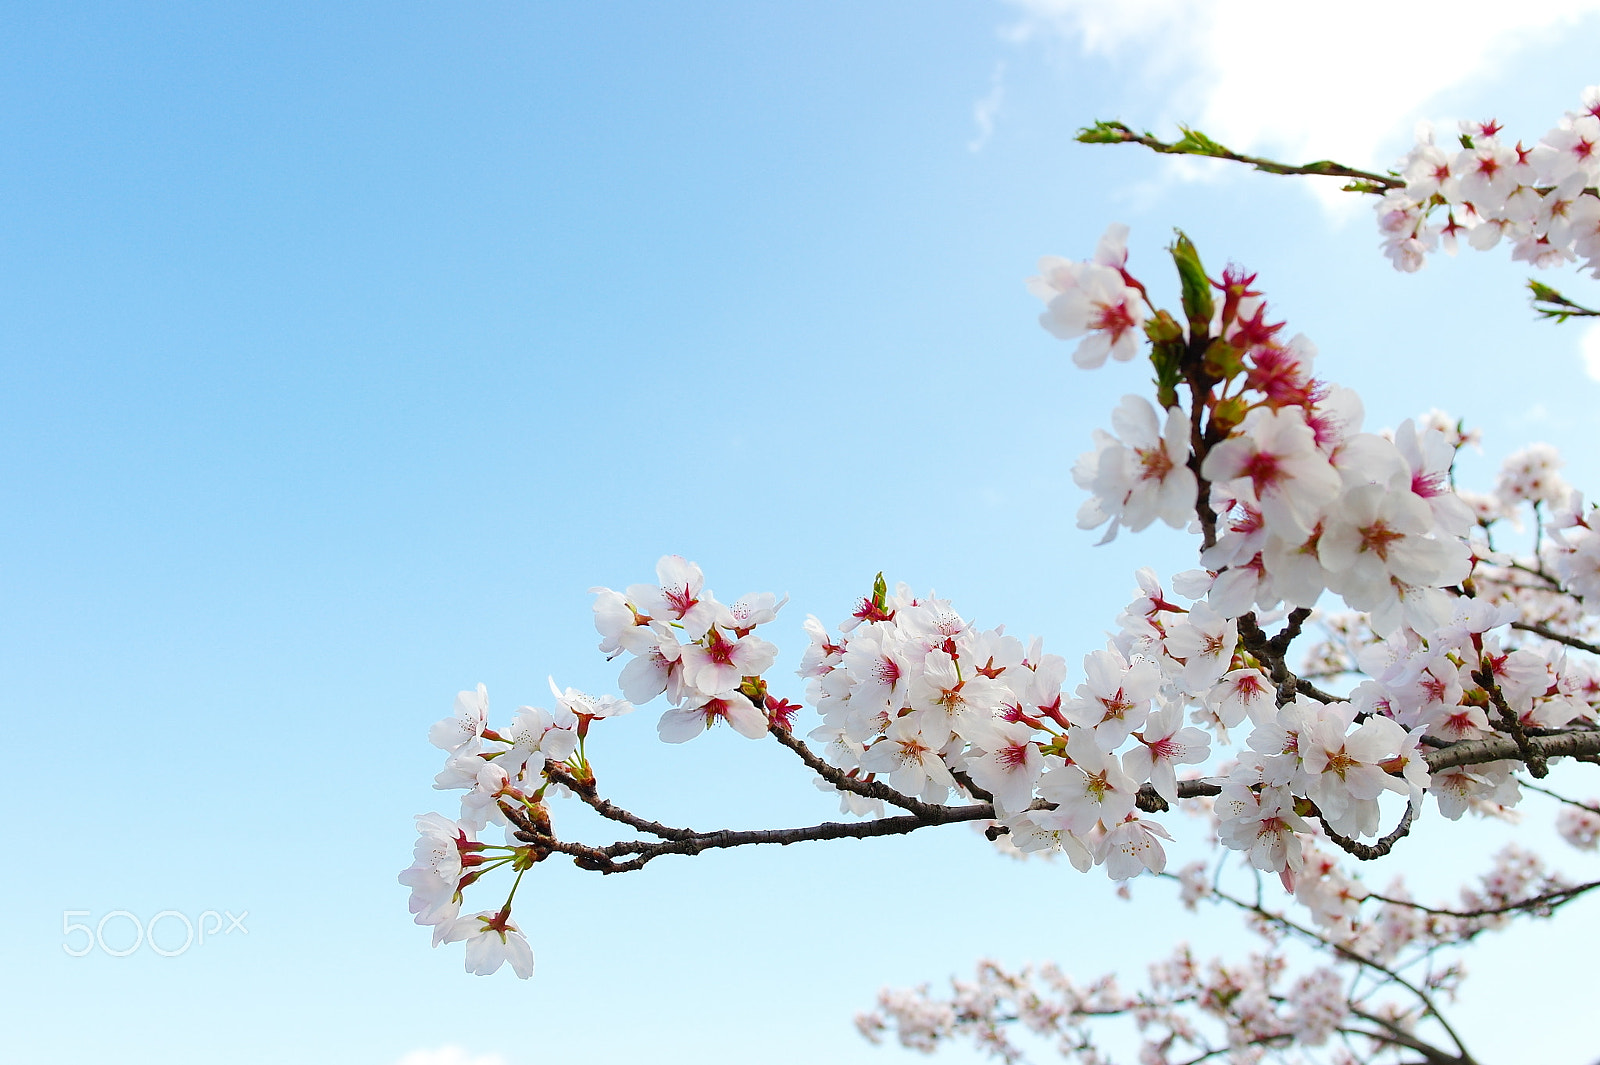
(1198, 144)
(1555, 899)
(1560, 798)
(1558, 637)
(1534, 760)
(1368, 851)
(1350, 955)
(1555, 585)
(603, 859)
(872, 789)
(585, 790)
(1398, 1036)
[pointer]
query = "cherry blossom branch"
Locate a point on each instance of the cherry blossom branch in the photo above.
(871, 789)
(1151, 802)
(1535, 760)
(603, 859)
(585, 790)
(1199, 447)
(1464, 1058)
(1555, 585)
(972, 787)
(1366, 852)
(1193, 142)
(1558, 637)
(1394, 1035)
(688, 841)
(1258, 1041)
(926, 815)
(1559, 307)
(1273, 653)
(1548, 903)
(1290, 631)
(1558, 797)
(1574, 744)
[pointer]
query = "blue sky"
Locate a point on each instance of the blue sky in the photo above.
(345, 347)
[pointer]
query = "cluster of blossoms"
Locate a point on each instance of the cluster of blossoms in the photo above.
(923, 710)
(1269, 1005)
(1307, 503)
(506, 775)
(912, 692)
(1255, 1004)
(1452, 642)
(502, 775)
(1541, 200)
(712, 676)
(1097, 300)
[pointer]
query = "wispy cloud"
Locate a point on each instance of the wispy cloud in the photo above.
(449, 1055)
(1589, 345)
(1289, 78)
(985, 110)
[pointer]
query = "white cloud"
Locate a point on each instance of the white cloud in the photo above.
(449, 1055)
(1298, 80)
(984, 110)
(1589, 345)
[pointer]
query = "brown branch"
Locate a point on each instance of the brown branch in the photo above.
(1291, 629)
(603, 859)
(1368, 851)
(1558, 637)
(972, 787)
(1574, 744)
(1555, 899)
(923, 815)
(1397, 1036)
(688, 841)
(926, 815)
(1535, 760)
(1559, 798)
(1349, 955)
(585, 790)
(1555, 585)
(1199, 448)
(1306, 688)
(872, 789)
(1150, 801)
(1272, 653)
(1285, 1038)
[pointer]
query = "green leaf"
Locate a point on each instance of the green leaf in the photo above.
(1542, 291)
(1198, 305)
(1370, 187)
(1194, 142)
(1103, 132)
(1167, 360)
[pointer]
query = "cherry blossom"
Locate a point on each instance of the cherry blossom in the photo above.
(1091, 788)
(493, 939)
(1092, 298)
(466, 725)
(1164, 744)
(1275, 462)
(1140, 474)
